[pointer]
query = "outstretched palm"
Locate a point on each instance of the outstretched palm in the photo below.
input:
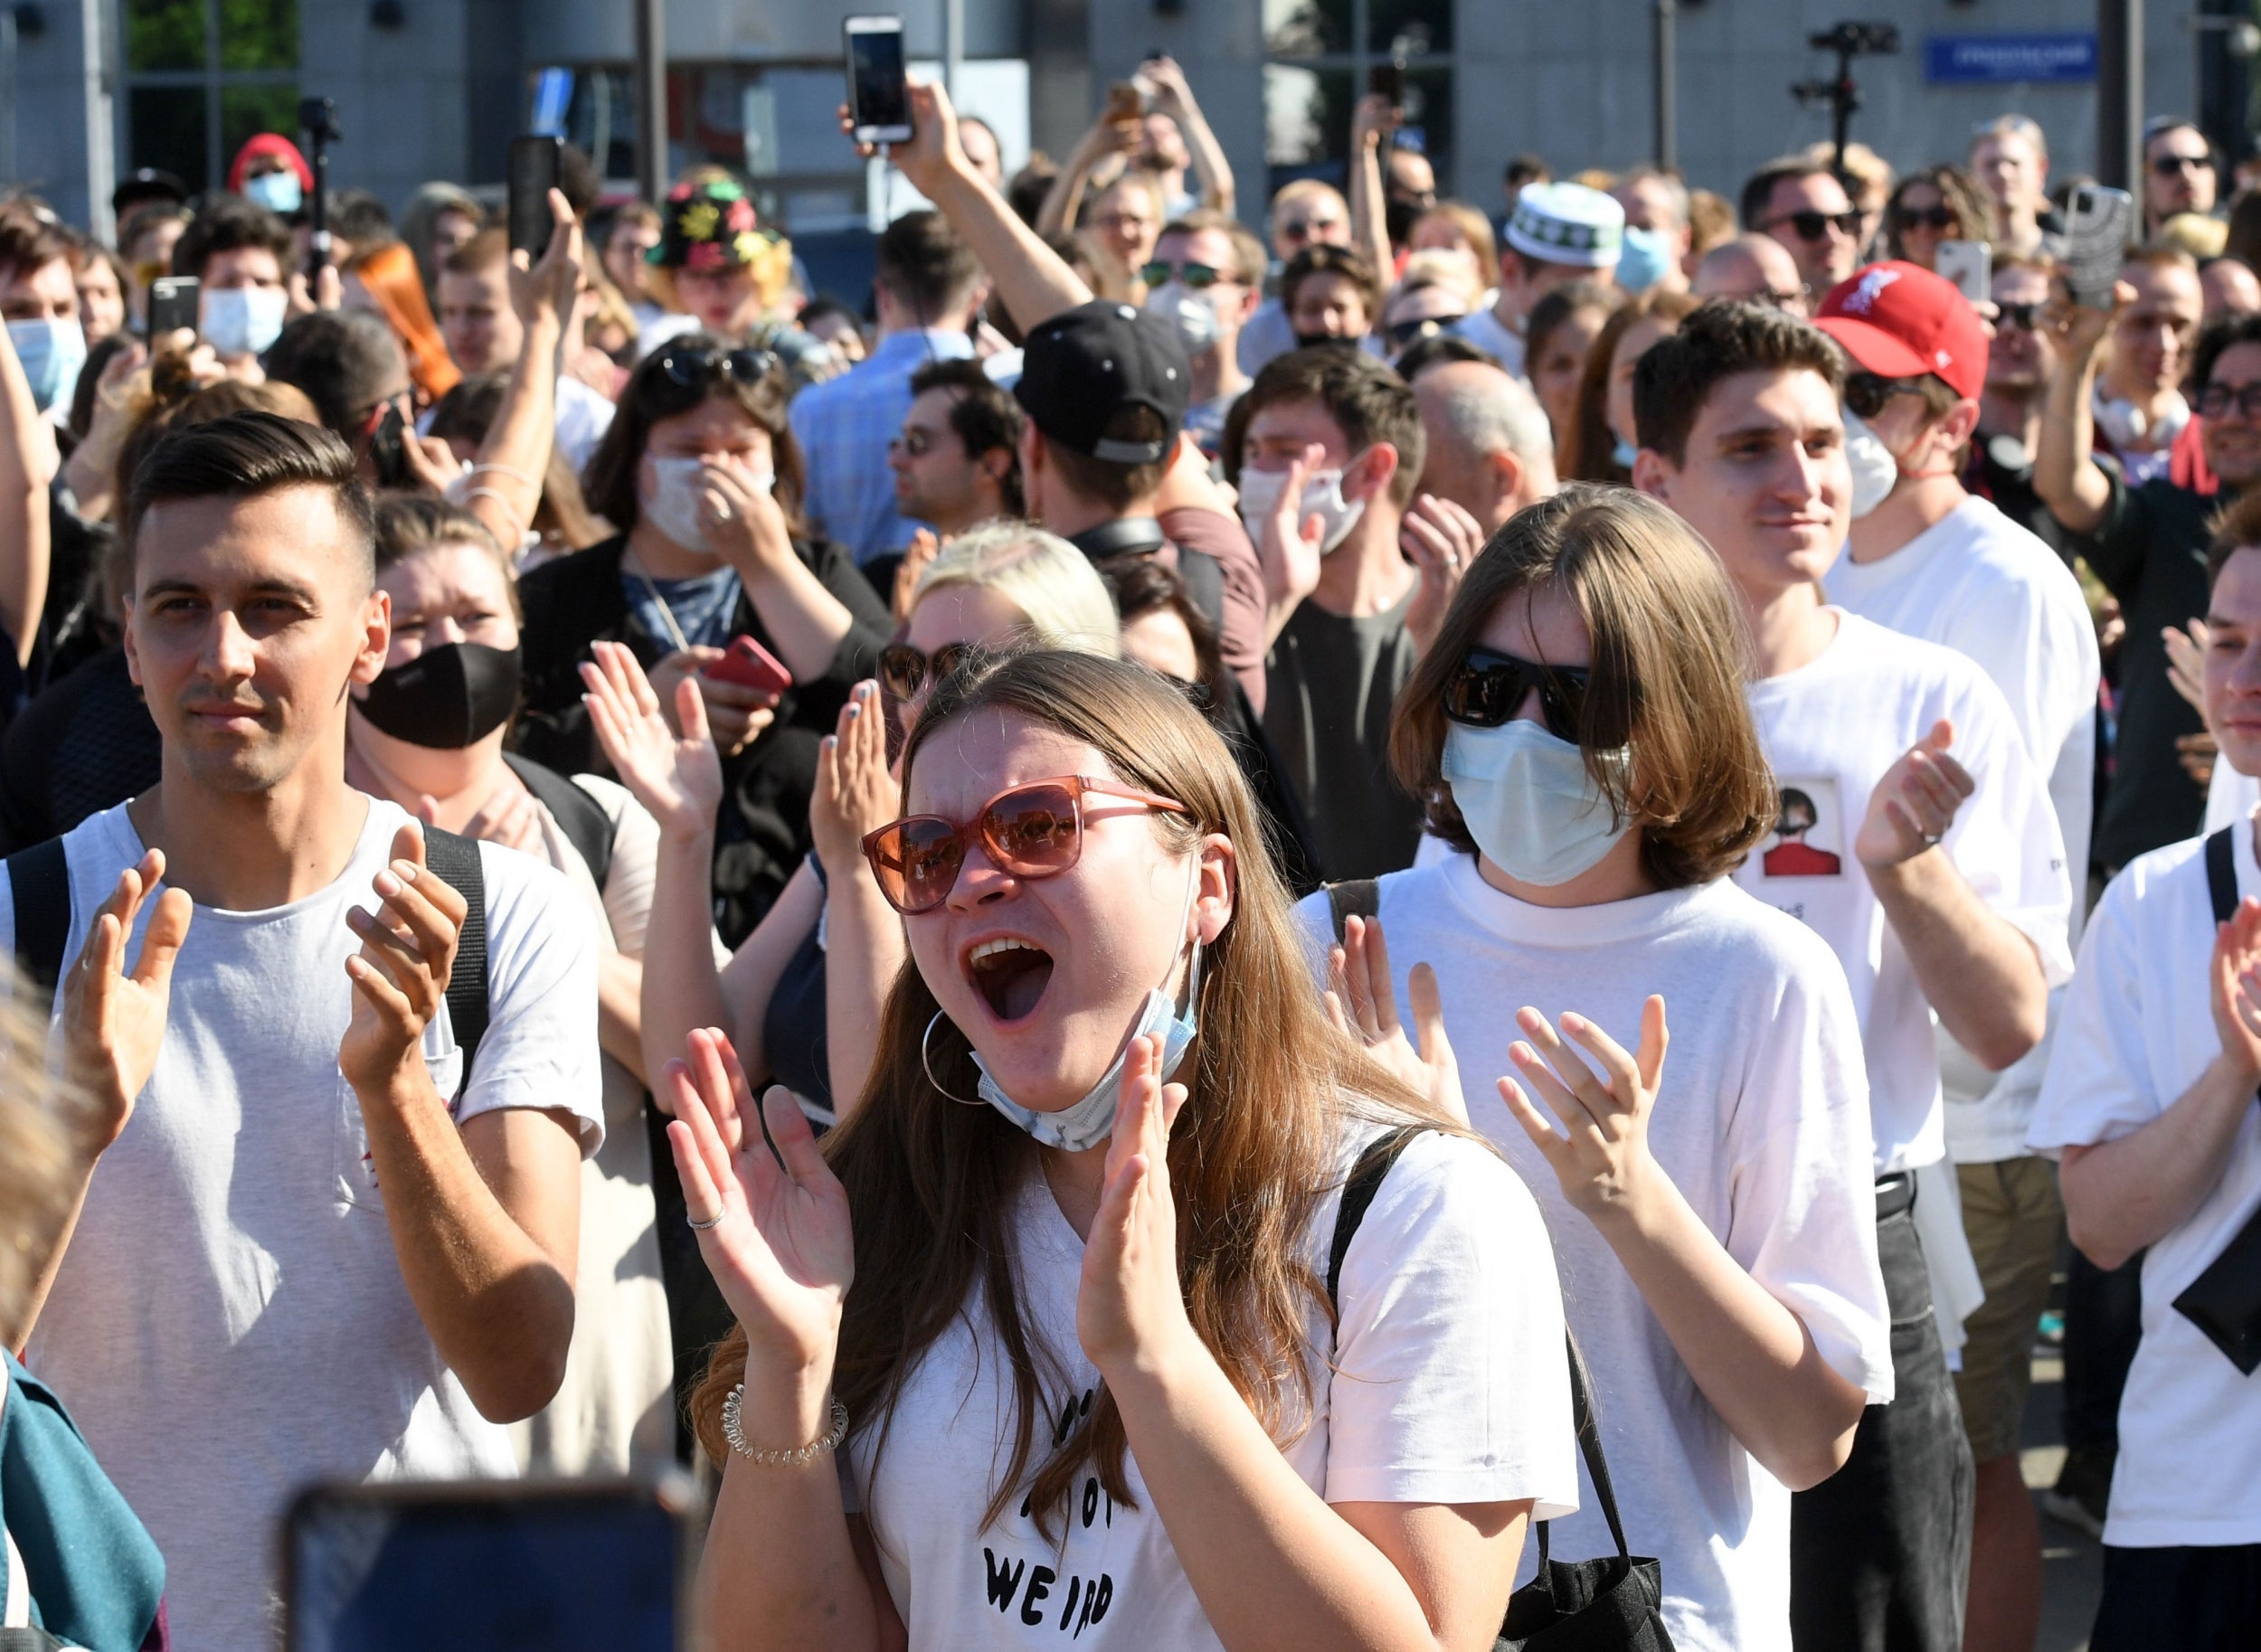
(781, 1250)
(678, 779)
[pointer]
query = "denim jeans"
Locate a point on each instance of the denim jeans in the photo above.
(1880, 1552)
(2191, 1600)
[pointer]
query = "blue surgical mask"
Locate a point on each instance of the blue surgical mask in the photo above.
(278, 192)
(1092, 1120)
(1528, 801)
(51, 351)
(1623, 454)
(1645, 258)
(244, 320)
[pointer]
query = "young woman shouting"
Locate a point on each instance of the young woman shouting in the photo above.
(1058, 1282)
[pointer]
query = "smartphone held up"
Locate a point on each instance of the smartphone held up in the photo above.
(534, 163)
(879, 94)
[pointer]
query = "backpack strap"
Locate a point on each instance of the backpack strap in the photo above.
(1353, 897)
(455, 860)
(39, 881)
(583, 820)
(1357, 1192)
(2221, 874)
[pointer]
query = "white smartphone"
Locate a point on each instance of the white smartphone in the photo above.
(1970, 265)
(2096, 225)
(879, 97)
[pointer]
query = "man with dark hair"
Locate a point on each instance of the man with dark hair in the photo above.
(928, 289)
(1803, 205)
(1558, 233)
(957, 462)
(350, 365)
(1333, 450)
(239, 254)
(333, 1200)
(39, 300)
(2180, 172)
(1949, 894)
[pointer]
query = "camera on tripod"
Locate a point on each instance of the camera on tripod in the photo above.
(1857, 39)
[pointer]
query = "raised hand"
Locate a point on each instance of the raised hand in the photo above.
(114, 1018)
(1129, 1303)
(1287, 548)
(2236, 999)
(1916, 802)
(744, 526)
(855, 793)
(399, 976)
(1361, 1002)
(1441, 540)
(1603, 1164)
(780, 1246)
(923, 549)
(933, 154)
(679, 778)
(2186, 661)
(548, 289)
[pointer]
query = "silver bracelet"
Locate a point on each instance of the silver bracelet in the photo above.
(799, 1457)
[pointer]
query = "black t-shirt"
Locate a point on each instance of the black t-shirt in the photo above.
(85, 745)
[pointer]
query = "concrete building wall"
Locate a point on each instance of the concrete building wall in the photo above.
(50, 114)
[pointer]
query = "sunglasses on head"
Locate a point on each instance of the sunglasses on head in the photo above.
(1034, 830)
(2215, 401)
(1867, 392)
(1488, 685)
(1813, 226)
(2026, 315)
(1404, 332)
(696, 369)
(906, 671)
(1925, 217)
(1155, 271)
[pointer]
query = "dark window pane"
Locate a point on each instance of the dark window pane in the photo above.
(166, 129)
(1409, 27)
(258, 34)
(1304, 28)
(1429, 120)
(165, 34)
(248, 110)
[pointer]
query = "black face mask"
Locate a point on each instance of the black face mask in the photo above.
(1398, 216)
(1314, 341)
(446, 698)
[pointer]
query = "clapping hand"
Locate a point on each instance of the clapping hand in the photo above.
(399, 976)
(2235, 974)
(1130, 1304)
(1288, 548)
(1441, 540)
(1603, 1164)
(114, 1017)
(1914, 804)
(1362, 1004)
(679, 778)
(855, 793)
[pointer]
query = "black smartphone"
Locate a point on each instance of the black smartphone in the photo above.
(502, 1565)
(386, 455)
(879, 97)
(1387, 80)
(534, 164)
(173, 304)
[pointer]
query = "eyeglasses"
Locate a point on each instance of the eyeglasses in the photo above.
(1155, 271)
(1404, 332)
(2215, 401)
(2026, 315)
(1867, 392)
(696, 369)
(1034, 830)
(914, 441)
(2175, 165)
(1488, 685)
(1925, 217)
(906, 671)
(1814, 226)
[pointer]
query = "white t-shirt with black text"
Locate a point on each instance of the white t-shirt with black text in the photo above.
(1977, 582)
(1450, 1385)
(2137, 1031)
(1831, 730)
(230, 1323)
(1762, 1125)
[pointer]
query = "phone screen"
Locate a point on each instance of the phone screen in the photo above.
(878, 96)
(386, 455)
(173, 304)
(533, 174)
(1969, 264)
(579, 1570)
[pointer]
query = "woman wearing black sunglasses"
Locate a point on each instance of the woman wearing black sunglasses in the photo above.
(1580, 734)
(701, 472)
(1936, 204)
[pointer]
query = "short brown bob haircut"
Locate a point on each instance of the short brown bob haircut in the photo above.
(608, 481)
(1668, 669)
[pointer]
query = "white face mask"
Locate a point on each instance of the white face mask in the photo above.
(244, 320)
(278, 192)
(1875, 472)
(672, 502)
(1193, 315)
(1322, 498)
(1528, 801)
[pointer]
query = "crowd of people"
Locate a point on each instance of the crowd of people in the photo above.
(1037, 920)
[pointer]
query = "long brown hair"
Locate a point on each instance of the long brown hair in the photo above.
(1669, 670)
(1592, 454)
(930, 1180)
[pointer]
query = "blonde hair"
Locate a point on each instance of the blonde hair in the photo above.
(1435, 266)
(1059, 593)
(2201, 237)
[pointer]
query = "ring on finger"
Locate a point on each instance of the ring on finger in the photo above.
(714, 1221)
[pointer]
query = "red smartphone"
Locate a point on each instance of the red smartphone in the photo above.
(749, 664)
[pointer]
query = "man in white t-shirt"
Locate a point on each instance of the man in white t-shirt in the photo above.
(310, 1246)
(1917, 840)
(1929, 560)
(2150, 1103)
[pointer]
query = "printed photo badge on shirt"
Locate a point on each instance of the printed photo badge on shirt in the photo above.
(1809, 840)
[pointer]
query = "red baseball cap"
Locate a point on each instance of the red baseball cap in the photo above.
(1900, 320)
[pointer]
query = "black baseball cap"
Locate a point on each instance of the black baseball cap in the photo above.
(1082, 367)
(147, 184)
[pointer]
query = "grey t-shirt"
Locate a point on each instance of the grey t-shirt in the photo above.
(230, 1322)
(1331, 683)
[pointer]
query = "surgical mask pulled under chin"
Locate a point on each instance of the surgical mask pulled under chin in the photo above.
(51, 351)
(1322, 498)
(1528, 801)
(1092, 1120)
(1193, 315)
(673, 504)
(1875, 472)
(244, 320)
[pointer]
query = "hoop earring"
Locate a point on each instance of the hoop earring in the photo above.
(926, 1061)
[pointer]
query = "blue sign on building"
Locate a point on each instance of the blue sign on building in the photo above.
(1996, 60)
